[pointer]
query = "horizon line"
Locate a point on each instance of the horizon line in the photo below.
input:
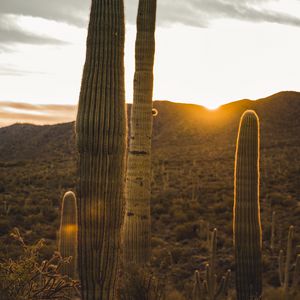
(49, 114)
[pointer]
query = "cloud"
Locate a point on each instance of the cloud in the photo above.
(12, 33)
(74, 12)
(201, 12)
(197, 13)
(17, 112)
(189, 12)
(10, 70)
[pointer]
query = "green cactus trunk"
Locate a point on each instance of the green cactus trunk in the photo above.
(247, 225)
(67, 244)
(101, 142)
(137, 232)
(197, 293)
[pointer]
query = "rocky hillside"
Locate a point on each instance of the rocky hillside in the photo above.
(193, 160)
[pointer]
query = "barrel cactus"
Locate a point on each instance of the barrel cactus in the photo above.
(137, 233)
(67, 243)
(101, 143)
(247, 224)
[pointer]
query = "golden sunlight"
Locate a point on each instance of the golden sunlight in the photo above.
(70, 229)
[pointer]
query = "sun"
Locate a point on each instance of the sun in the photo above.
(211, 106)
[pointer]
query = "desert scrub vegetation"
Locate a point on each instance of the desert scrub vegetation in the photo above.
(29, 278)
(209, 287)
(139, 283)
(174, 207)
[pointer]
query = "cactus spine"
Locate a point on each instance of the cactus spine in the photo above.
(101, 143)
(137, 246)
(247, 224)
(67, 244)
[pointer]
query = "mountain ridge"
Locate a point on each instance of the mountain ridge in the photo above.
(174, 121)
(58, 114)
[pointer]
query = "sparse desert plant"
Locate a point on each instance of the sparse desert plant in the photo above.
(6, 208)
(247, 224)
(67, 245)
(289, 280)
(140, 284)
(101, 143)
(137, 227)
(209, 288)
(197, 293)
(26, 278)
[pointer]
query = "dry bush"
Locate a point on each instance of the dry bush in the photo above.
(26, 278)
(140, 284)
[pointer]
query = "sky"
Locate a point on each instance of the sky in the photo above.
(208, 52)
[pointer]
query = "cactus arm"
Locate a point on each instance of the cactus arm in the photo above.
(281, 267)
(220, 289)
(197, 290)
(67, 244)
(288, 261)
(296, 274)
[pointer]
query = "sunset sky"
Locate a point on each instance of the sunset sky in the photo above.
(208, 52)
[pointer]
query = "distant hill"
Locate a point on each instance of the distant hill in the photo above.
(177, 125)
(193, 160)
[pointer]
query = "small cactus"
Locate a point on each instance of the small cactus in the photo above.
(6, 208)
(296, 275)
(247, 224)
(68, 234)
(209, 288)
(197, 290)
(288, 282)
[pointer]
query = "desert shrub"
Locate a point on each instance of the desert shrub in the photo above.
(277, 198)
(157, 242)
(175, 295)
(179, 216)
(176, 253)
(4, 226)
(186, 231)
(278, 294)
(140, 284)
(158, 209)
(26, 278)
(2, 188)
(297, 211)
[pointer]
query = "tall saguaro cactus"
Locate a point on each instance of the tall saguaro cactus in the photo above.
(67, 244)
(247, 225)
(101, 142)
(137, 246)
